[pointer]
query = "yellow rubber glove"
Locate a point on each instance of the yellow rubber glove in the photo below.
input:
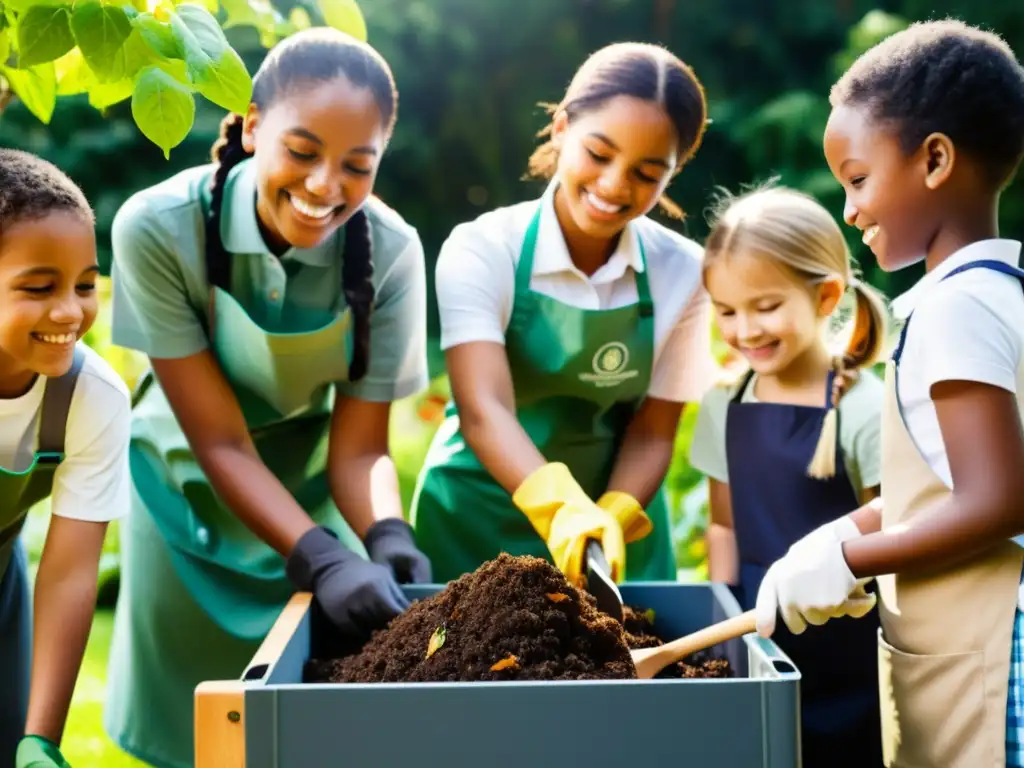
(565, 517)
(631, 516)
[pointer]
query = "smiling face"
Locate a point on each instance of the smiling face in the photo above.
(614, 163)
(765, 312)
(890, 196)
(317, 152)
(48, 301)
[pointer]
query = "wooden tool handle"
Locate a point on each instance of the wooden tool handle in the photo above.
(707, 637)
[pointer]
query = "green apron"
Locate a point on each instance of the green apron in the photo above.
(19, 492)
(189, 562)
(579, 376)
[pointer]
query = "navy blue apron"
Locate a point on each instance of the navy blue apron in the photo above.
(774, 503)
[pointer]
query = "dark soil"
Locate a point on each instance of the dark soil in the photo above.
(514, 618)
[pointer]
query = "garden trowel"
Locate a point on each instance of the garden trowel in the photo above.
(600, 583)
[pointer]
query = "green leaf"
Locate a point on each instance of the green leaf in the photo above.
(299, 18)
(44, 34)
(217, 72)
(257, 13)
(5, 46)
(73, 74)
(436, 641)
(136, 54)
(36, 87)
(158, 36)
(20, 6)
(163, 108)
(103, 95)
(345, 16)
(176, 68)
(101, 31)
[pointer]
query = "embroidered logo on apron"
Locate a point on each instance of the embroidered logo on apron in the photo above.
(609, 366)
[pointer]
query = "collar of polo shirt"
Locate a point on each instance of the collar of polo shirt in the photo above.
(552, 254)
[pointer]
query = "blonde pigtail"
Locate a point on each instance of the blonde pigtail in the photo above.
(865, 346)
(823, 462)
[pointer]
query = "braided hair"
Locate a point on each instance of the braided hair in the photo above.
(316, 55)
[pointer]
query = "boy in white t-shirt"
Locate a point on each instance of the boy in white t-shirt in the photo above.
(926, 130)
(64, 428)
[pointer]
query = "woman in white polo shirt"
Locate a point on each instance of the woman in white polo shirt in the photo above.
(576, 330)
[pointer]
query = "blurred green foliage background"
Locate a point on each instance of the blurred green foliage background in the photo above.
(470, 74)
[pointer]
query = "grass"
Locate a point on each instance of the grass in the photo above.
(85, 743)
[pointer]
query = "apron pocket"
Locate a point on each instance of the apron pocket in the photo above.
(933, 709)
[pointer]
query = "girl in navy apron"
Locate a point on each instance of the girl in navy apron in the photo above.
(926, 130)
(283, 309)
(791, 447)
(64, 424)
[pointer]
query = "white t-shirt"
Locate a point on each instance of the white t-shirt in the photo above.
(93, 481)
(970, 328)
(476, 285)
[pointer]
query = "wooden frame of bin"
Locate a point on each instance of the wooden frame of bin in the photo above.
(219, 705)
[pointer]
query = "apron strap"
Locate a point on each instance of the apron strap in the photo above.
(645, 303)
(998, 266)
(993, 264)
(524, 269)
(744, 382)
(205, 202)
(56, 406)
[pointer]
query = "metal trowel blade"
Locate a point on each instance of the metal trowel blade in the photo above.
(600, 583)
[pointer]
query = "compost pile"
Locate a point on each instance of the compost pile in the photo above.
(514, 618)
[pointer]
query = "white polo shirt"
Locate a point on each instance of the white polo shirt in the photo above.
(970, 328)
(93, 482)
(475, 277)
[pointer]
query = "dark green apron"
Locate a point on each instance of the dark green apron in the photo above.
(19, 492)
(579, 376)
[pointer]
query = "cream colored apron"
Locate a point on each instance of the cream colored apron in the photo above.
(944, 645)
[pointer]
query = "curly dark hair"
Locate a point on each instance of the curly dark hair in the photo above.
(944, 77)
(316, 55)
(643, 71)
(32, 188)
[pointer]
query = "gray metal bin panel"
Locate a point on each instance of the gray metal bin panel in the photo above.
(752, 720)
(512, 725)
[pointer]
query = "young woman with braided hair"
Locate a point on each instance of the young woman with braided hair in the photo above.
(282, 308)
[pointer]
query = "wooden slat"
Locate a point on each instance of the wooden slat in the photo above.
(220, 724)
(273, 644)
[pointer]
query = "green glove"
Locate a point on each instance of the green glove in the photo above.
(37, 752)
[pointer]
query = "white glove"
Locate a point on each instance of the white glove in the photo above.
(842, 529)
(810, 585)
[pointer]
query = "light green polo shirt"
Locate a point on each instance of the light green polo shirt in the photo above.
(161, 295)
(860, 430)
